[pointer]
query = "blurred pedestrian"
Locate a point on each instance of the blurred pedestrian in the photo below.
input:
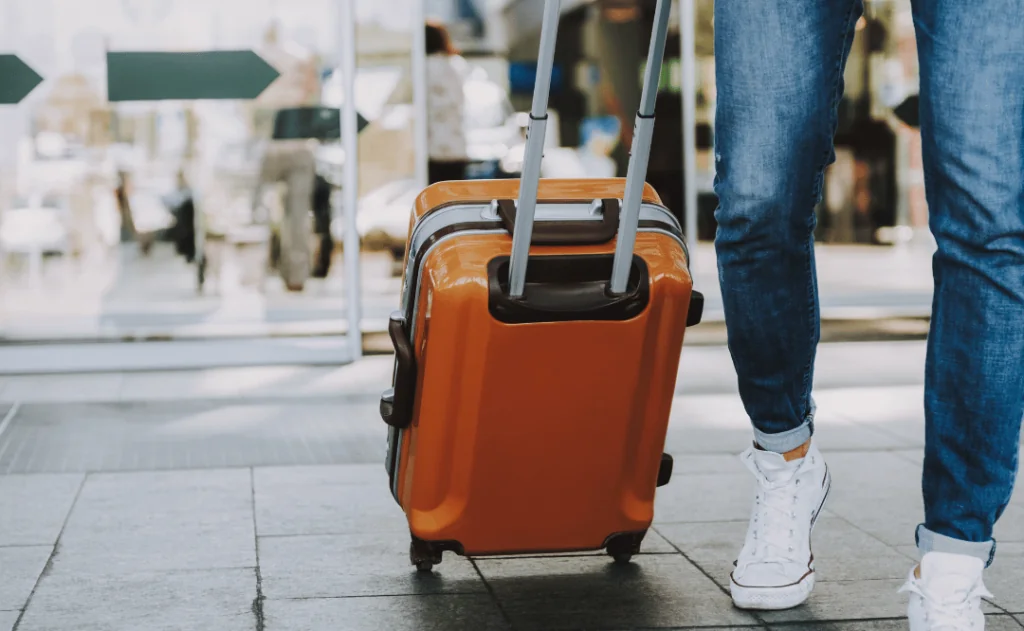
(129, 231)
(446, 105)
(779, 69)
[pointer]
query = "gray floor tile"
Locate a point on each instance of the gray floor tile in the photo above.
(844, 553)
(686, 465)
(589, 593)
(1002, 623)
(705, 498)
(913, 456)
(850, 600)
(1018, 495)
(325, 500)
(880, 493)
(847, 601)
(52, 388)
(119, 436)
(718, 424)
(841, 552)
(877, 406)
(20, 569)
(992, 623)
(151, 521)
(712, 546)
(464, 612)
(1006, 575)
(356, 565)
(33, 507)
(707, 424)
(160, 601)
(7, 620)
(834, 432)
(287, 479)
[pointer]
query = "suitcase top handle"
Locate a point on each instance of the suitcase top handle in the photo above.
(566, 232)
(636, 175)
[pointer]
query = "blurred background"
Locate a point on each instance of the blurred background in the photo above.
(171, 219)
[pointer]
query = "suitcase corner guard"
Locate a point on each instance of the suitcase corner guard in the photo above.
(396, 404)
(696, 311)
(665, 469)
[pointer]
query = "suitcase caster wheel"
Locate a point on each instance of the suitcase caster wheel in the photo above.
(423, 555)
(622, 547)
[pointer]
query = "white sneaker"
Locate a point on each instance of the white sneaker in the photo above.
(948, 595)
(775, 568)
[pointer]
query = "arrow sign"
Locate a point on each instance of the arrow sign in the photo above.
(321, 123)
(16, 80)
(217, 74)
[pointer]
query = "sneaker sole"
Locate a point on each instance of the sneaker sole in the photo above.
(788, 596)
(772, 598)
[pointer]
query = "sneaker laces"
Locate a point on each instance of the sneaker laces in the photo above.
(775, 517)
(949, 615)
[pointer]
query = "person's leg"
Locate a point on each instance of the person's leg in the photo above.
(972, 122)
(779, 69)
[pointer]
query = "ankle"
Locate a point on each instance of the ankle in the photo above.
(794, 454)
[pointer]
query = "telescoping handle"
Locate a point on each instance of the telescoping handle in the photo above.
(535, 131)
(640, 152)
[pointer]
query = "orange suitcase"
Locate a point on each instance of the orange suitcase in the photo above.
(532, 418)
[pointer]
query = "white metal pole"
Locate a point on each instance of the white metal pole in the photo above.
(350, 185)
(419, 90)
(687, 48)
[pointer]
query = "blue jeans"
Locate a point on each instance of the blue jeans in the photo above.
(780, 79)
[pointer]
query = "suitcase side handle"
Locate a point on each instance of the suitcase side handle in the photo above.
(396, 405)
(566, 232)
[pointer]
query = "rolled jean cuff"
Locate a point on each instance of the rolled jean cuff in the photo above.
(787, 440)
(928, 541)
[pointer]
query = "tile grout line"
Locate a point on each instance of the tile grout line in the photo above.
(53, 553)
(494, 596)
(873, 536)
(1005, 611)
(757, 617)
(257, 603)
(802, 624)
(445, 594)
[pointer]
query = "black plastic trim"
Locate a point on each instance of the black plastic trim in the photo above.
(563, 288)
(665, 469)
(396, 406)
(566, 232)
(696, 310)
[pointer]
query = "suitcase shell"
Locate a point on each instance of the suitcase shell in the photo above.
(533, 436)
